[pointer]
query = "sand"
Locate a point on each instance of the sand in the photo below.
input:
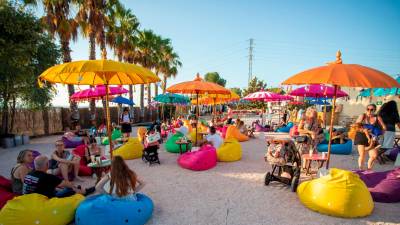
(230, 193)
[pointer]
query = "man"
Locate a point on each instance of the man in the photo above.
(62, 162)
(213, 138)
(40, 182)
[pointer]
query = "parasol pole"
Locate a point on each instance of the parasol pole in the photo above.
(108, 120)
(331, 126)
(215, 107)
(325, 113)
(197, 113)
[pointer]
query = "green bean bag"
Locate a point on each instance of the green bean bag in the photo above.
(114, 135)
(171, 145)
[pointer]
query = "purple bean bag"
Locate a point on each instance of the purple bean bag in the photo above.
(71, 144)
(34, 154)
(393, 154)
(384, 186)
(259, 128)
(203, 159)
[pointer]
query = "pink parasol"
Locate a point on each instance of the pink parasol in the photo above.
(97, 92)
(262, 96)
(317, 91)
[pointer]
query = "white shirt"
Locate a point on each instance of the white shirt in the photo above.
(125, 118)
(215, 139)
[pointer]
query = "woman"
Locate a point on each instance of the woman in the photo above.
(125, 120)
(19, 171)
(390, 117)
(363, 141)
(62, 162)
(121, 182)
(92, 151)
(309, 126)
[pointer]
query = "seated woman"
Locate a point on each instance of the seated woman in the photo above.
(310, 127)
(19, 171)
(243, 129)
(81, 133)
(92, 151)
(338, 137)
(62, 162)
(121, 182)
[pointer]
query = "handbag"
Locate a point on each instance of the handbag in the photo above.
(153, 137)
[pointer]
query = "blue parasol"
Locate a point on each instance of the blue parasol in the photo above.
(122, 100)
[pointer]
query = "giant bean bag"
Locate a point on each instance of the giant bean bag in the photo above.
(141, 133)
(107, 210)
(203, 159)
(84, 170)
(132, 149)
(187, 124)
(393, 154)
(116, 133)
(5, 191)
(233, 132)
(71, 144)
(340, 149)
(259, 128)
(223, 132)
(341, 193)
(38, 209)
(192, 135)
(230, 151)
(285, 129)
(171, 146)
(384, 186)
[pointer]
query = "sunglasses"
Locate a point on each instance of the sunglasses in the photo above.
(59, 145)
(370, 109)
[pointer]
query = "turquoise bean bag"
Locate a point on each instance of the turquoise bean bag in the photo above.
(171, 146)
(105, 210)
(285, 129)
(339, 149)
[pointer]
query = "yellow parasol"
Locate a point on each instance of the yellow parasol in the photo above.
(347, 75)
(95, 72)
(214, 99)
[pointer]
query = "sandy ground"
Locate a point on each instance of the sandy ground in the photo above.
(230, 193)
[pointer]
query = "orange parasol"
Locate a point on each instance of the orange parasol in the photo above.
(198, 86)
(338, 74)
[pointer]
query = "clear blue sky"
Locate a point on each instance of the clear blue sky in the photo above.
(289, 36)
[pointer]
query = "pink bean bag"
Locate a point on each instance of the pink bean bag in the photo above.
(259, 128)
(84, 170)
(5, 191)
(71, 144)
(203, 159)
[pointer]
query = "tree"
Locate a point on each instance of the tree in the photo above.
(215, 78)
(168, 64)
(25, 52)
(254, 86)
(57, 22)
(237, 90)
(277, 90)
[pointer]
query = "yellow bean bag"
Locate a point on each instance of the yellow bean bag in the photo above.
(203, 128)
(230, 151)
(38, 209)
(132, 149)
(233, 132)
(187, 124)
(341, 193)
(192, 136)
(141, 133)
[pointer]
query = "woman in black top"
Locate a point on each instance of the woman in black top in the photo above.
(390, 116)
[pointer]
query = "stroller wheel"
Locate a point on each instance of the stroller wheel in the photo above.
(267, 178)
(295, 183)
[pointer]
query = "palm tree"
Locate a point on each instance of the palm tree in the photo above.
(58, 22)
(169, 64)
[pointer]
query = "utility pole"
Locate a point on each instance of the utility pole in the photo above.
(250, 60)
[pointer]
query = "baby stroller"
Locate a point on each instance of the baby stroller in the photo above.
(150, 155)
(285, 160)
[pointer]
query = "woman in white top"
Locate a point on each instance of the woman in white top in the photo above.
(121, 182)
(125, 121)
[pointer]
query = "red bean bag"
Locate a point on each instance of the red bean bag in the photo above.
(223, 132)
(384, 186)
(5, 191)
(84, 170)
(203, 159)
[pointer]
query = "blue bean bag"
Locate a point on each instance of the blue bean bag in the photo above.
(286, 128)
(340, 149)
(105, 210)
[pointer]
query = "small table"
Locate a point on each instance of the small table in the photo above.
(180, 143)
(98, 169)
(309, 159)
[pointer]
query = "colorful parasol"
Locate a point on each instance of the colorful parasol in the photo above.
(317, 91)
(122, 100)
(338, 74)
(99, 91)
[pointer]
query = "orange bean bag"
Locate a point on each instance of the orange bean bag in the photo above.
(141, 133)
(233, 132)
